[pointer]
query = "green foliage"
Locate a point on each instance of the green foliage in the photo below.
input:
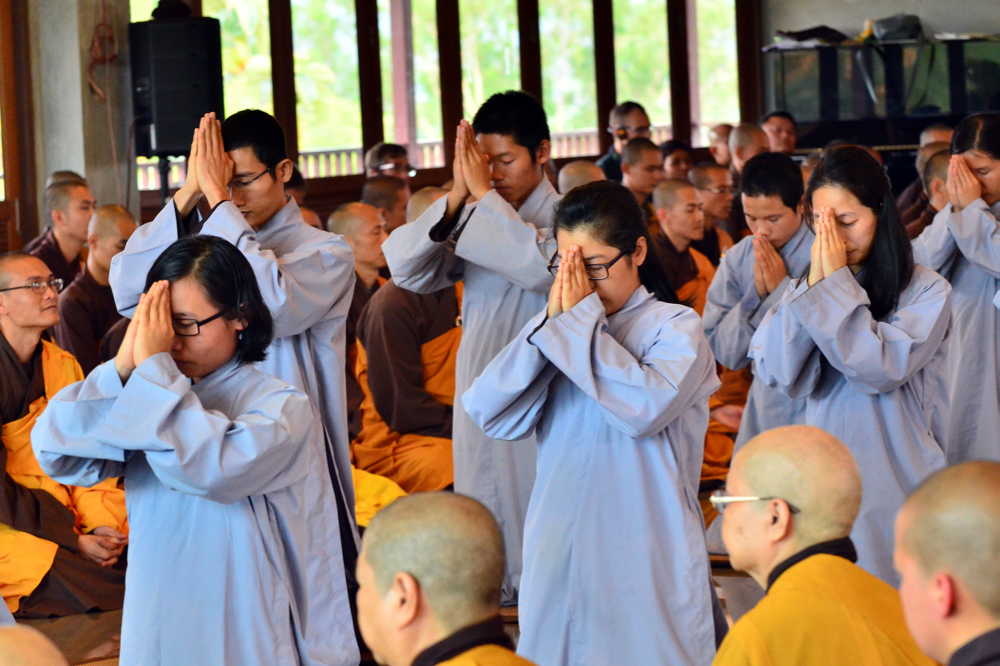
(717, 73)
(642, 68)
(141, 10)
(246, 53)
(569, 87)
(491, 55)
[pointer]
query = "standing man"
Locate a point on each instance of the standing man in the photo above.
(500, 246)
(628, 121)
(781, 130)
(69, 204)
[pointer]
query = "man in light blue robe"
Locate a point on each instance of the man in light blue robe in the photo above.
(500, 247)
(964, 247)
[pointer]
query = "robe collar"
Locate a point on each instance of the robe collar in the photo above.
(638, 298)
(840, 547)
(287, 214)
(490, 632)
(218, 376)
(22, 383)
(981, 651)
(531, 209)
(789, 249)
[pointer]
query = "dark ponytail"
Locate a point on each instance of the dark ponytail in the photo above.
(889, 266)
(610, 213)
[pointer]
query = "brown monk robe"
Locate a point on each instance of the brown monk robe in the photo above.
(407, 344)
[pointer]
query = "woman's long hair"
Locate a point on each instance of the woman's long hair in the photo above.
(610, 213)
(889, 266)
(979, 132)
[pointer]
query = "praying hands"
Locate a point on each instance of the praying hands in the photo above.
(829, 254)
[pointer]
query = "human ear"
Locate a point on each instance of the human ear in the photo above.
(544, 151)
(406, 599)
(641, 249)
(779, 520)
(283, 170)
(943, 595)
(801, 208)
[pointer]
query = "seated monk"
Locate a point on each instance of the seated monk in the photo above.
(714, 185)
(790, 502)
(390, 195)
(87, 307)
(429, 579)
(947, 540)
(934, 177)
(642, 169)
(682, 221)
(69, 205)
(577, 173)
(60, 546)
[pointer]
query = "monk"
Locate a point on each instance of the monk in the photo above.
(781, 130)
(789, 505)
(87, 307)
(914, 192)
(421, 200)
(642, 169)
(69, 204)
(389, 195)
(947, 539)
(577, 173)
(60, 546)
(714, 185)
(297, 188)
(718, 144)
(430, 572)
(745, 142)
(933, 160)
(626, 122)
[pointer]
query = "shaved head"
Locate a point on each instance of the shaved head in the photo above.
(108, 220)
(665, 194)
(577, 173)
(952, 523)
(450, 544)
(351, 218)
(928, 151)
(936, 132)
(936, 167)
(701, 175)
(635, 149)
(24, 646)
(745, 134)
(720, 133)
(421, 200)
(9, 259)
(810, 469)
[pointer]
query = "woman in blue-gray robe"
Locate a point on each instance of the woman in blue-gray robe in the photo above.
(614, 383)
(234, 553)
(863, 340)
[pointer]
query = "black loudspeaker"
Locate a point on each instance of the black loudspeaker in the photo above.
(176, 79)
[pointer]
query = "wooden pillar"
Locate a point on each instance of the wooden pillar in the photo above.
(604, 68)
(450, 59)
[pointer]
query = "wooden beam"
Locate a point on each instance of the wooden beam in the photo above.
(18, 116)
(604, 68)
(680, 73)
(450, 59)
(369, 73)
(404, 103)
(748, 59)
(283, 73)
(531, 50)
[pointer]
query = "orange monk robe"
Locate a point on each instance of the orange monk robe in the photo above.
(372, 493)
(26, 559)
(414, 338)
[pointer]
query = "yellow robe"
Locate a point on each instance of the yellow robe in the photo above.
(823, 611)
(487, 655)
(24, 558)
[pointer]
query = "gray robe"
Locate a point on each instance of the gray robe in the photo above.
(733, 312)
(501, 255)
(876, 385)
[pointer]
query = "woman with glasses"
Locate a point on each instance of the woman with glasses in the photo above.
(862, 338)
(614, 378)
(234, 545)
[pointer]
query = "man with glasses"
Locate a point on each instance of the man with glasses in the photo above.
(389, 159)
(715, 189)
(627, 121)
(60, 546)
(789, 506)
(306, 277)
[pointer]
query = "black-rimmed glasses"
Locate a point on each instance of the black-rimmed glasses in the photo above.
(243, 184)
(720, 499)
(594, 271)
(392, 166)
(641, 130)
(189, 328)
(40, 288)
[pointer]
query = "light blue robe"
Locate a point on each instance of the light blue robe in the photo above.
(234, 548)
(306, 277)
(615, 565)
(732, 314)
(965, 248)
(874, 385)
(502, 255)
(6, 619)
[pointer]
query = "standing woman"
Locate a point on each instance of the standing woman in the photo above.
(614, 380)
(862, 339)
(230, 502)
(963, 244)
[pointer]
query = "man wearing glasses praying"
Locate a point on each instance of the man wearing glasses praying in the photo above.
(788, 509)
(59, 545)
(389, 159)
(627, 121)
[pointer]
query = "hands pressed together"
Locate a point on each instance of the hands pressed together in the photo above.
(150, 332)
(572, 284)
(829, 254)
(963, 187)
(471, 168)
(209, 168)
(103, 546)
(768, 268)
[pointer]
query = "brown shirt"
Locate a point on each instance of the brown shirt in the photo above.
(86, 312)
(362, 294)
(680, 267)
(48, 251)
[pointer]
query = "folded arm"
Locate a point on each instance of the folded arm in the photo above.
(421, 254)
(784, 356)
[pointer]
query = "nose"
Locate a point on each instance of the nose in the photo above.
(177, 344)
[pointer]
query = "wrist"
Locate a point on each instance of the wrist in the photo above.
(216, 195)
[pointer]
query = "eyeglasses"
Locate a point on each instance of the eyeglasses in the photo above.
(722, 189)
(720, 499)
(407, 169)
(594, 271)
(243, 184)
(189, 328)
(40, 288)
(641, 130)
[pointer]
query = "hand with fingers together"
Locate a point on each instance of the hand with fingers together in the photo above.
(963, 187)
(215, 169)
(573, 274)
(125, 359)
(475, 165)
(829, 254)
(769, 268)
(187, 197)
(555, 293)
(155, 332)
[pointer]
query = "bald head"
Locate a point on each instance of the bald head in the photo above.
(351, 219)
(452, 547)
(24, 646)
(111, 220)
(811, 470)
(636, 149)
(577, 173)
(421, 200)
(926, 152)
(746, 141)
(666, 193)
(701, 176)
(8, 261)
(718, 144)
(935, 133)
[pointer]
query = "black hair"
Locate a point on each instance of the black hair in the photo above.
(671, 146)
(618, 113)
(889, 266)
(516, 114)
(228, 280)
(257, 130)
(780, 114)
(773, 174)
(979, 132)
(610, 213)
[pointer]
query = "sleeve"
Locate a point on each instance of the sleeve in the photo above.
(638, 396)
(191, 449)
(935, 247)
(495, 237)
(874, 356)
(75, 333)
(102, 505)
(35, 511)
(507, 399)
(392, 341)
(301, 287)
(977, 236)
(784, 356)
(130, 266)
(417, 262)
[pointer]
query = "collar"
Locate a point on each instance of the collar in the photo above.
(789, 248)
(840, 547)
(490, 632)
(287, 214)
(532, 207)
(981, 651)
